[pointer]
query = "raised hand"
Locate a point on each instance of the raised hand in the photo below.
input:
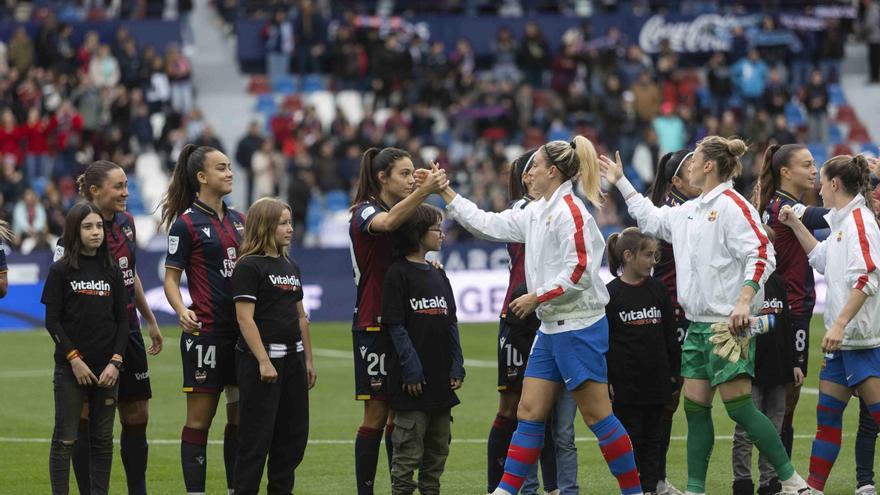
(612, 171)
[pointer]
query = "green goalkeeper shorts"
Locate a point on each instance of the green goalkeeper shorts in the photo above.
(700, 363)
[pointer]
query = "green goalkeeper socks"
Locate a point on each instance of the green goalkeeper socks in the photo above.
(761, 432)
(700, 439)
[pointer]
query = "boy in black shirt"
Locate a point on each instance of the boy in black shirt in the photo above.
(274, 358)
(643, 352)
(774, 365)
(418, 310)
(87, 317)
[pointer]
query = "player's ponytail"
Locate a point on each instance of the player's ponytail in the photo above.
(184, 184)
(854, 175)
(577, 157)
(776, 158)
(373, 162)
(669, 166)
(629, 239)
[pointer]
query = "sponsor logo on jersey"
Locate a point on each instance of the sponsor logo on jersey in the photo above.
(285, 282)
(239, 227)
(142, 376)
(771, 306)
(201, 376)
(173, 242)
(228, 268)
(91, 287)
(128, 232)
(123, 262)
(429, 306)
(645, 316)
(230, 253)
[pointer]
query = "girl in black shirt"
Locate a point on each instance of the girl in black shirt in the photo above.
(643, 354)
(87, 317)
(426, 366)
(274, 362)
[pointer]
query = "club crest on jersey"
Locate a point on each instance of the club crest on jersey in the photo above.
(839, 236)
(230, 253)
(123, 262)
(173, 242)
(128, 232)
(201, 376)
(375, 383)
(713, 215)
(765, 217)
(239, 227)
(207, 231)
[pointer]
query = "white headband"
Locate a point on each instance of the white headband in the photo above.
(682, 163)
(525, 170)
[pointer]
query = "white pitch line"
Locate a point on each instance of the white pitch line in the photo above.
(172, 441)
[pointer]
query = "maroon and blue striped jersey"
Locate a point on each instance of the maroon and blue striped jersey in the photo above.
(121, 237)
(791, 259)
(370, 259)
(205, 248)
(517, 253)
(665, 268)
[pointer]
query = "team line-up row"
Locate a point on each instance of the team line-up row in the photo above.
(681, 318)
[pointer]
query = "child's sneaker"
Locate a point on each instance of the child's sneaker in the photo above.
(664, 487)
(554, 492)
(866, 490)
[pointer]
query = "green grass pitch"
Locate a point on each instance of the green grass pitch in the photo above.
(26, 419)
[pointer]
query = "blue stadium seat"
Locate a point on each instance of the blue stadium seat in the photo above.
(794, 115)
(835, 95)
(560, 133)
(135, 198)
(336, 200)
(313, 82)
(266, 104)
(284, 85)
(819, 152)
(871, 148)
(835, 135)
(39, 185)
(315, 215)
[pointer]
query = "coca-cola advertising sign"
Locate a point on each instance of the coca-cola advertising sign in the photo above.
(704, 33)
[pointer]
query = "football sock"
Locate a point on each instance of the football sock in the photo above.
(133, 449)
(194, 458)
(700, 440)
(496, 449)
(366, 456)
(826, 445)
(618, 453)
(761, 432)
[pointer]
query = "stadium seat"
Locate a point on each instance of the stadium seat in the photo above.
(794, 115)
(380, 116)
(846, 114)
(325, 106)
(285, 85)
(314, 215)
(819, 152)
(835, 95)
(313, 82)
(858, 133)
(266, 104)
(835, 134)
(39, 185)
(429, 153)
(336, 200)
(871, 149)
(157, 121)
(352, 105)
(292, 103)
(135, 199)
(258, 85)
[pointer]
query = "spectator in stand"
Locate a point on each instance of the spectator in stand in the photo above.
(749, 78)
(647, 97)
(781, 134)
(29, 223)
(504, 50)
(103, 68)
(88, 50)
(55, 208)
(831, 50)
(816, 102)
(244, 152)
(871, 27)
(776, 93)
(348, 60)
(21, 51)
(159, 89)
(179, 72)
(131, 64)
(208, 138)
(269, 175)
(564, 68)
(669, 128)
(10, 139)
(534, 55)
(310, 38)
(46, 41)
(69, 138)
(36, 132)
(64, 53)
(278, 39)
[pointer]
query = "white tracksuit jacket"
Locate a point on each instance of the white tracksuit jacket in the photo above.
(847, 259)
(564, 249)
(719, 244)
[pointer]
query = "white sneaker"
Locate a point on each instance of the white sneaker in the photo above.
(692, 493)
(802, 491)
(557, 492)
(866, 490)
(664, 487)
